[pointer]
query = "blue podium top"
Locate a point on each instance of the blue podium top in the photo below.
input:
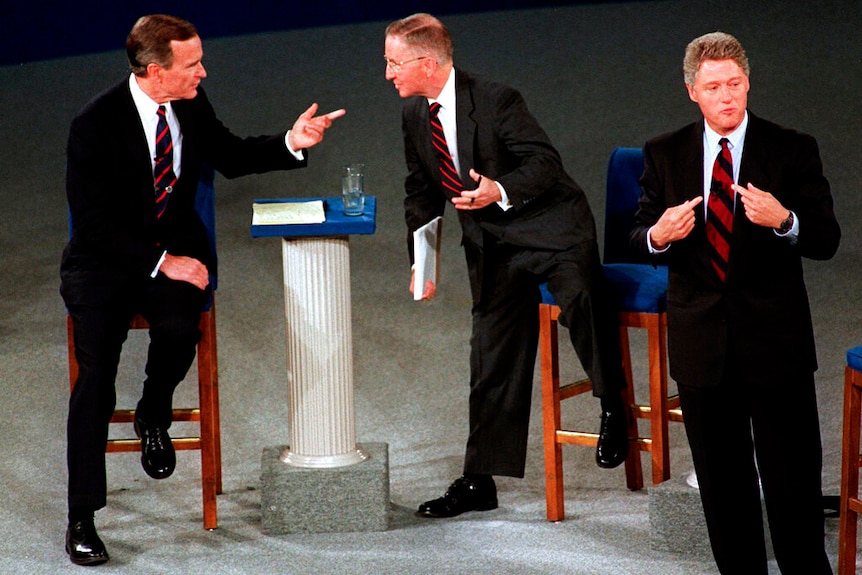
(336, 224)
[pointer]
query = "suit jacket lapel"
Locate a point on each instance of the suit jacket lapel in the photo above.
(182, 109)
(422, 131)
(692, 159)
(754, 157)
(466, 126)
(134, 137)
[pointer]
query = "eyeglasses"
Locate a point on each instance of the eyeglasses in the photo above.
(396, 66)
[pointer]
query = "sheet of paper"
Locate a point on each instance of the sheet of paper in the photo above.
(426, 255)
(280, 213)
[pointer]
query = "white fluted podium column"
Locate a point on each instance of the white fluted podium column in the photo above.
(324, 481)
(320, 352)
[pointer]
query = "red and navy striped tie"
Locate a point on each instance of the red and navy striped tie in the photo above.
(163, 172)
(449, 176)
(719, 213)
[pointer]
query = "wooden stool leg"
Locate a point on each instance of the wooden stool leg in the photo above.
(206, 379)
(850, 460)
(658, 398)
(633, 467)
(216, 417)
(550, 369)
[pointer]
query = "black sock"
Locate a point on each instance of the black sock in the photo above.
(612, 402)
(479, 479)
(77, 514)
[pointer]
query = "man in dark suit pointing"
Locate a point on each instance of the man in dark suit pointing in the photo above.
(134, 158)
(733, 203)
(472, 143)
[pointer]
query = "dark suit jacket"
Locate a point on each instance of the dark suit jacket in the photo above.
(760, 318)
(116, 237)
(500, 139)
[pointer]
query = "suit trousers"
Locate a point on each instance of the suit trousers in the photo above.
(770, 431)
(504, 343)
(172, 309)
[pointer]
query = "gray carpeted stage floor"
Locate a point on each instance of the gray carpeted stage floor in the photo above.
(597, 77)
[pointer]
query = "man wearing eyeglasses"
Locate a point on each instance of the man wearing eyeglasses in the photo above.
(472, 143)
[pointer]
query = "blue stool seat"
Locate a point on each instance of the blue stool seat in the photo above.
(638, 287)
(635, 288)
(854, 358)
(547, 298)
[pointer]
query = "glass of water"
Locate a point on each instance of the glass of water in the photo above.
(353, 189)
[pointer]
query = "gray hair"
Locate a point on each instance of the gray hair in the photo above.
(712, 46)
(149, 42)
(423, 33)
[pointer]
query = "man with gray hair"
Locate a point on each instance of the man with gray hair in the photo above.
(732, 203)
(471, 143)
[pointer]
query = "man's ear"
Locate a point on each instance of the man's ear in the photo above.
(692, 95)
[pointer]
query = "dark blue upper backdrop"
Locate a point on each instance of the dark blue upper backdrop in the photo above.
(42, 29)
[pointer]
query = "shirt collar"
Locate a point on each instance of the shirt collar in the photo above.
(735, 138)
(147, 107)
(446, 98)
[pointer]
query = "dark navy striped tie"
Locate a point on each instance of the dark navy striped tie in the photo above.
(449, 176)
(163, 172)
(719, 213)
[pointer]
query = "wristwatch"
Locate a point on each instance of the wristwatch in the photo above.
(785, 226)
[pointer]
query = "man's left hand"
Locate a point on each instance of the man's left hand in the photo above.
(308, 130)
(485, 194)
(761, 207)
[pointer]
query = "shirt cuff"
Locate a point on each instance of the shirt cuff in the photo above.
(298, 155)
(504, 203)
(155, 271)
(650, 247)
(793, 234)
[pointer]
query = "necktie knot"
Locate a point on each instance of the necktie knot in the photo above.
(434, 108)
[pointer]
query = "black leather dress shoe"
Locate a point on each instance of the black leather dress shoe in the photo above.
(463, 495)
(157, 452)
(83, 544)
(613, 445)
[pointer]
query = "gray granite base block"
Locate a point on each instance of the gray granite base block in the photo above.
(676, 520)
(335, 500)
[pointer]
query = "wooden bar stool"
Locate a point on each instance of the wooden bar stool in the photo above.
(851, 504)
(553, 393)
(208, 441)
(639, 292)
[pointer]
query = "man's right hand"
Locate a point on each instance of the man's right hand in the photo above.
(430, 288)
(186, 269)
(674, 224)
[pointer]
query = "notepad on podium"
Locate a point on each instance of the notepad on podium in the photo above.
(335, 223)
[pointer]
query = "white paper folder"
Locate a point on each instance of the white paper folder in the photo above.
(426, 255)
